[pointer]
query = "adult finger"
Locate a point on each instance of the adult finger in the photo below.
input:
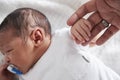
(97, 29)
(94, 19)
(83, 10)
(107, 34)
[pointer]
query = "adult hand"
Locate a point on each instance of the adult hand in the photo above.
(108, 10)
(5, 74)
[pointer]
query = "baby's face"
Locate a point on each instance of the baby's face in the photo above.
(16, 52)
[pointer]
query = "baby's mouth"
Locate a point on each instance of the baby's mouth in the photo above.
(13, 69)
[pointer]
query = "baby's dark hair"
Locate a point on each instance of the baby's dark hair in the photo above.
(21, 18)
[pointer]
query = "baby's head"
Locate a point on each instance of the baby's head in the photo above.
(22, 19)
(24, 36)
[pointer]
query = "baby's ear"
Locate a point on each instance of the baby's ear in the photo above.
(37, 36)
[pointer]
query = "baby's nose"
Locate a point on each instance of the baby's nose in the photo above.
(7, 60)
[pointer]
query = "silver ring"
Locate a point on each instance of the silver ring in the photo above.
(105, 23)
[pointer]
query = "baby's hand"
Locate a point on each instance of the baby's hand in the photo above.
(81, 31)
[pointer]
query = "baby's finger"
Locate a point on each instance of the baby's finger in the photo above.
(80, 29)
(77, 36)
(85, 27)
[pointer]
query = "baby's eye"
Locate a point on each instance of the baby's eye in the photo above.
(9, 50)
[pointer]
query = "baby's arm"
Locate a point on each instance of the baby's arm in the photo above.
(81, 31)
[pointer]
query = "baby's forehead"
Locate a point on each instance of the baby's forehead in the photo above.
(6, 36)
(5, 40)
(4, 44)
